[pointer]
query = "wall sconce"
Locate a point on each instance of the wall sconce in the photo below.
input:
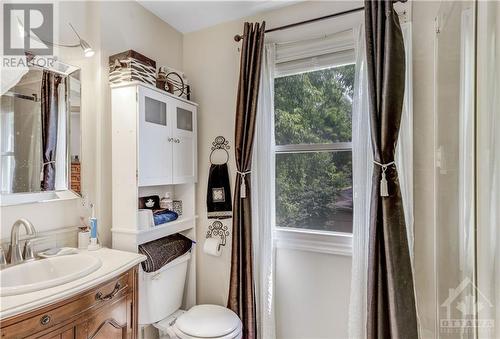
(84, 45)
(87, 50)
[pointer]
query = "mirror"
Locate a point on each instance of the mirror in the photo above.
(40, 132)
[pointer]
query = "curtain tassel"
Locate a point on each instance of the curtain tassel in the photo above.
(384, 190)
(243, 186)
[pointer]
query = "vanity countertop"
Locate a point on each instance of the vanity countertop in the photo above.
(114, 262)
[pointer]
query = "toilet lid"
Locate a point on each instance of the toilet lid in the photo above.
(208, 321)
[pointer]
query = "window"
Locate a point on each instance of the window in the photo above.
(313, 124)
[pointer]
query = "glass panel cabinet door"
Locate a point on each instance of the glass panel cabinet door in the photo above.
(184, 164)
(184, 119)
(155, 139)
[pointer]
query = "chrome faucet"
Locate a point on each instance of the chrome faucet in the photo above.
(15, 255)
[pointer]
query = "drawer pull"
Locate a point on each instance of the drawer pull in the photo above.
(45, 320)
(109, 296)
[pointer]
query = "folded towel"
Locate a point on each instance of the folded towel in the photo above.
(164, 216)
(219, 205)
(161, 251)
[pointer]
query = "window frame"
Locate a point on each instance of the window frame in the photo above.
(318, 241)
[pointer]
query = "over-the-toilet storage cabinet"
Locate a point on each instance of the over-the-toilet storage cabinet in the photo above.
(167, 142)
(154, 151)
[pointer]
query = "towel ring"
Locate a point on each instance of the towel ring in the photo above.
(220, 144)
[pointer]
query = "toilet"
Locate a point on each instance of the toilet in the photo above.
(160, 299)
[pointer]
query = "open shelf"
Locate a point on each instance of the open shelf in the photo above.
(144, 235)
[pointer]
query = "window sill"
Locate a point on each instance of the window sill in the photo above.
(314, 241)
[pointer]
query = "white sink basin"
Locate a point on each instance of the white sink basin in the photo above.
(45, 273)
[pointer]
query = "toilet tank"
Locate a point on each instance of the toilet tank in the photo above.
(161, 292)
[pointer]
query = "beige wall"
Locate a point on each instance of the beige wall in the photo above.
(130, 26)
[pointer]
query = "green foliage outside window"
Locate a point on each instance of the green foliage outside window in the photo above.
(314, 190)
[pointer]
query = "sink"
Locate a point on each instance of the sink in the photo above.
(40, 274)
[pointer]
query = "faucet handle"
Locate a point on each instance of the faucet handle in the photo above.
(3, 259)
(28, 251)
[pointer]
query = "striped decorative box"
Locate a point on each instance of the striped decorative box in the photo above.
(131, 66)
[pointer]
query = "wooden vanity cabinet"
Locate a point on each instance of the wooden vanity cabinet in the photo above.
(107, 311)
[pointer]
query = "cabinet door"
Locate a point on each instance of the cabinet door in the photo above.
(111, 322)
(155, 139)
(184, 133)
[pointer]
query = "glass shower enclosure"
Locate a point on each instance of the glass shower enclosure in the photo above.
(467, 170)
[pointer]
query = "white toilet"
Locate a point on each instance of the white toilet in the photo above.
(160, 299)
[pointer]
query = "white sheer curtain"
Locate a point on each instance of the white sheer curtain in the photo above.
(262, 199)
(362, 164)
(362, 169)
(404, 148)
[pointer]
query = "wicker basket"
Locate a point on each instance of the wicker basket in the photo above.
(131, 66)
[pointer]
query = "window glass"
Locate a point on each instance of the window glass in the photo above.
(313, 119)
(314, 107)
(314, 191)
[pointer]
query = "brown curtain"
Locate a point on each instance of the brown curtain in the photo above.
(391, 298)
(241, 288)
(49, 98)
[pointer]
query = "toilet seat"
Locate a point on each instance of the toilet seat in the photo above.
(203, 322)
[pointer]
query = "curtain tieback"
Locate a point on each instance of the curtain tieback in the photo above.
(43, 168)
(384, 191)
(243, 186)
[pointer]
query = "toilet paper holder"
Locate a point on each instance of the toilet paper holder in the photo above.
(218, 229)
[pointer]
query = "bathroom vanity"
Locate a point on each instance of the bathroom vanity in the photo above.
(101, 304)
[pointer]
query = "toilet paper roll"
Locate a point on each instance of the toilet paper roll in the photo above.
(211, 247)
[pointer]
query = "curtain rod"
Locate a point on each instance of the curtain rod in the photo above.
(238, 37)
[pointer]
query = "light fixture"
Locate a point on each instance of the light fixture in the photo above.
(84, 45)
(87, 50)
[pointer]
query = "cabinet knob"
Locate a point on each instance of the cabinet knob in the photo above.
(45, 320)
(177, 141)
(170, 139)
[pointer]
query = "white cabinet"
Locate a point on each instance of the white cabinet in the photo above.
(166, 139)
(153, 151)
(155, 139)
(184, 142)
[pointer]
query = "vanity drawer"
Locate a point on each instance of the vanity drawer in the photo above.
(70, 310)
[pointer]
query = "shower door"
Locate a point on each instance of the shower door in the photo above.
(467, 178)
(454, 177)
(488, 168)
